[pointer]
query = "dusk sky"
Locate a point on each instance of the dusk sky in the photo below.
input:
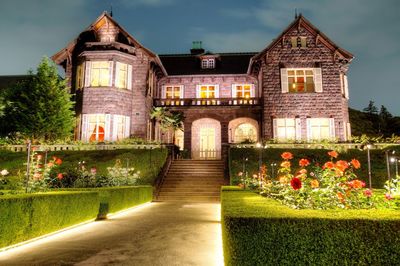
(369, 29)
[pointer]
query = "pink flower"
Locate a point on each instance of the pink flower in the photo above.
(93, 170)
(60, 176)
(388, 196)
(368, 193)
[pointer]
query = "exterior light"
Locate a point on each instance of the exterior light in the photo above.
(369, 146)
(258, 145)
(393, 159)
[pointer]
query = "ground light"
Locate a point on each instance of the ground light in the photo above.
(82, 228)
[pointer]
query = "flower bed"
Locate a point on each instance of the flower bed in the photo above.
(261, 231)
(27, 216)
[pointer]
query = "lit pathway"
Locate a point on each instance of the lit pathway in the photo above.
(157, 234)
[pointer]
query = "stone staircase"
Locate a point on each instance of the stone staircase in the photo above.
(193, 181)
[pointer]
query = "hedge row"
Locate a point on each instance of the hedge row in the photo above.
(272, 155)
(23, 217)
(26, 216)
(260, 231)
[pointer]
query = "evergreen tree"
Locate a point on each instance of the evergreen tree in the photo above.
(385, 117)
(42, 107)
(371, 108)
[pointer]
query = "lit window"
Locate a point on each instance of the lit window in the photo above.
(301, 80)
(173, 92)
(121, 127)
(208, 63)
(79, 76)
(179, 137)
(100, 73)
(207, 91)
(320, 128)
(245, 133)
(285, 129)
(96, 127)
(243, 91)
(121, 76)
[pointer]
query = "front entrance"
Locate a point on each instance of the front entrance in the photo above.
(206, 139)
(207, 143)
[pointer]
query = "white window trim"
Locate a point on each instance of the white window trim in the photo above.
(198, 87)
(317, 77)
(164, 91)
(85, 123)
(297, 128)
(88, 73)
(234, 89)
(208, 63)
(331, 127)
(128, 75)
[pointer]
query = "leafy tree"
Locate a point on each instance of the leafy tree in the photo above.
(2, 106)
(42, 108)
(168, 120)
(371, 108)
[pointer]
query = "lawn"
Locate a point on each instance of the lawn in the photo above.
(272, 155)
(148, 162)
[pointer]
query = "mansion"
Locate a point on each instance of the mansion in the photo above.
(294, 89)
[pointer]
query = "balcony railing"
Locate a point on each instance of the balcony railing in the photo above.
(208, 102)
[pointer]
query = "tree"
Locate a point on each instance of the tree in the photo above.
(2, 106)
(42, 108)
(168, 120)
(371, 108)
(385, 117)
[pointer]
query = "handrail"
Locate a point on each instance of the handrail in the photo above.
(208, 102)
(82, 147)
(161, 176)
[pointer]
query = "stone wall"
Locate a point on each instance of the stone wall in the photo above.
(329, 103)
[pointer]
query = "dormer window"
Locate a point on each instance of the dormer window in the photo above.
(208, 63)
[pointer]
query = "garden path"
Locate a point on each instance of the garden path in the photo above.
(159, 233)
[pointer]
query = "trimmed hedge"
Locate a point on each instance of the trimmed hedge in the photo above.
(260, 231)
(27, 216)
(272, 155)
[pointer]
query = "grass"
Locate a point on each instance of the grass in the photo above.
(261, 231)
(148, 162)
(272, 155)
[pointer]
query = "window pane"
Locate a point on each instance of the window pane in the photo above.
(291, 73)
(299, 72)
(290, 122)
(290, 133)
(309, 72)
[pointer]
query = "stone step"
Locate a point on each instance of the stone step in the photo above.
(189, 199)
(194, 180)
(189, 193)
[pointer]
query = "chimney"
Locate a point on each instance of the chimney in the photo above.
(196, 48)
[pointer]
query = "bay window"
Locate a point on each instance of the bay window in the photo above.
(97, 127)
(100, 73)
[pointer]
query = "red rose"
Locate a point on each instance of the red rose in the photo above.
(60, 176)
(287, 156)
(304, 162)
(295, 183)
(368, 193)
(333, 154)
(58, 161)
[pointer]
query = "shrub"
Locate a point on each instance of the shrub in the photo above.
(27, 216)
(260, 231)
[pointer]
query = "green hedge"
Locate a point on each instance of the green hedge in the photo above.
(260, 231)
(27, 216)
(272, 155)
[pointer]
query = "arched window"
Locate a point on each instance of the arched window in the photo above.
(245, 132)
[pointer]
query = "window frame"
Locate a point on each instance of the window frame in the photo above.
(128, 75)
(164, 91)
(208, 63)
(216, 90)
(235, 90)
(296, 76)
(331, 128)
(297, 128)
(89, 75)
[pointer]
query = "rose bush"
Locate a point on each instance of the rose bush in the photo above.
(334, 185)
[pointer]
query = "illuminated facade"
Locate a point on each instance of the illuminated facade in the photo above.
(295, 89)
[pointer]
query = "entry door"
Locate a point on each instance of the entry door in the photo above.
(207, 143)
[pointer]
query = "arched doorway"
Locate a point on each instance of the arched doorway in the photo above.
(243, 130)
(206, 139)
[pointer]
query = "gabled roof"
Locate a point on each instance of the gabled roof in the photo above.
(303, 22)
(64, 53)
(189, 64)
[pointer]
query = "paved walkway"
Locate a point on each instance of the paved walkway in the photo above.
(159, 233)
